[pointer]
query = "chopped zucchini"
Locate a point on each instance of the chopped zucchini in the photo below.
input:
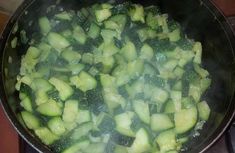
(26, 103)
(64, 16)
(76, 147)
(102, 15)
(142, 110)
(141, 142)
(121, 139)
(120, 149)
(185, 120)
(71, 56)
(84, 81)
(129, 51)
(197, 48)
(137, 13)
(151, 20)
(120, 73)
(70, 111)
(167, 141)
(83, 116)
(105, 123)
(108, 63)
(109, 49)
(195, 92)
(202, 72)
(204, 84)
(159, 95)
(113, 99)
(116, 22)
(203, 110)
(41, 97)
(135, 68)
(174, 35)
(94, 31)
(160, 122)
(82, 130)
(170, 107)
(123, 123)
(56, 126)
(79, 35)
(187, 102)
(41, 84)
(46, 135)
(146, 33)
(176, 97)
(31, 121)
(50, 108)
(57, 41)
(146, 52)
(108, 35)
(87, 58)
(44, 25)
(95, 147)
(76, 68)
(64, 89)
(107, 80)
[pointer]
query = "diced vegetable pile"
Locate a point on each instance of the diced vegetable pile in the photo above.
(113, 78)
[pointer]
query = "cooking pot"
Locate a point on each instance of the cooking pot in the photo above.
(200, 20)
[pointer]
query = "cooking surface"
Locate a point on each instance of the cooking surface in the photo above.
(10, 142)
